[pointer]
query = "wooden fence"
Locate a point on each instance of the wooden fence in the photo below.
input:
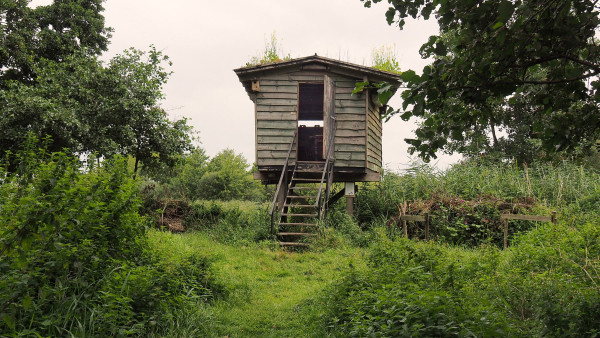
(532, 218)
(426, 217)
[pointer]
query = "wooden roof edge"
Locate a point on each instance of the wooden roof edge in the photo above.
(246, 72)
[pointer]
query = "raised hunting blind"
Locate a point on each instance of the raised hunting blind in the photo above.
(311, 131)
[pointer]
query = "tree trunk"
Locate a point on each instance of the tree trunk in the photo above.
(135, 168)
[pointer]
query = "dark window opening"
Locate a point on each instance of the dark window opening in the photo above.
(310, 101)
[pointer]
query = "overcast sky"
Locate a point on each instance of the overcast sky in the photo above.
(206, 40)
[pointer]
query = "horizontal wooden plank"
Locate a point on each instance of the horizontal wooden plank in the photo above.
(350, 117)
(288, 133)
(276, 83)
(285, 88)
(271, 162)
(358, 156)
(533, 218)
(265, 108)
(347, 90)
(347, 163)
(350, 111)
(346, 83)
(349, 103)
(274, 154)
(349, 147)
(350, 140)
(351, 125)
(281, 116)
(276, 95)
(266, 124)
(273, 139)
(273, 146)
(277, 102)
(349, 133)
(349, 97)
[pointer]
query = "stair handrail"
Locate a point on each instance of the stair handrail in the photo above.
(282, 178)
(327, 170)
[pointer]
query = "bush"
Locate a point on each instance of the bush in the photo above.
(74, 256)
(413, 289)
(546, 284)
(232, 222)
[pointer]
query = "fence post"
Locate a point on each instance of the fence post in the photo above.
(553, 217)
(404, 224)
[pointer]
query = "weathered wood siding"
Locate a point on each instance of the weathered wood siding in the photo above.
(276, 120)
(374, 133)
(350, 140)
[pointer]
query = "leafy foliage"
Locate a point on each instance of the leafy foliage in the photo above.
(74, 256)
(384, 58)
(545, 285)
(53, 32)
(54, 85)
(527, 67)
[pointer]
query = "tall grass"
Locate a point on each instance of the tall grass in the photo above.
(553, 186)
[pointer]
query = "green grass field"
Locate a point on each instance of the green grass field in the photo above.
(268, 290)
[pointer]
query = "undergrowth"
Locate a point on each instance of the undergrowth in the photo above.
(74, 255)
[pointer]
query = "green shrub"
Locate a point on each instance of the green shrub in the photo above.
(551, 279)
(233, 222)
(413, 289)
(74, 256)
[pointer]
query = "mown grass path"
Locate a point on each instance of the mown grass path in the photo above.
(266, 286)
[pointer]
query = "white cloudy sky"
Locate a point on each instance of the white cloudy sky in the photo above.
(206, 40)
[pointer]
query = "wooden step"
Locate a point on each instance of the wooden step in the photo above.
(300, 197)
(296, 234)
(301, 205)
(303, 188)
(306, 180)
(299, 215)
(298, 224)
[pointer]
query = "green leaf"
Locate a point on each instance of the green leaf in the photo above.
(505, 10)
(390, 14)
(410, 76)
(360, 86)
(498, 25)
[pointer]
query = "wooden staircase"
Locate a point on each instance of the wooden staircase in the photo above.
(298, 220)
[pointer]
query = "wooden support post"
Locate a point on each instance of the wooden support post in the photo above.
(404, 224)
(553, 217)
(426, 226)
(349, 192)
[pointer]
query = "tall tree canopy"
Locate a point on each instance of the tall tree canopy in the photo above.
(526, 68)
(52, 83)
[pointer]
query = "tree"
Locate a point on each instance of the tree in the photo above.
(50, 32)
(62, 90)
(526, 67)
(226, 177)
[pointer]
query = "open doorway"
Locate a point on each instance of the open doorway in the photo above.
(310, 121)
